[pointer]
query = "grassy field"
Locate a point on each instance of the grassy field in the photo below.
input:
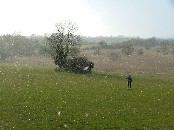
(38, 97)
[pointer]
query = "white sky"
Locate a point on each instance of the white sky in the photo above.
(144, 18)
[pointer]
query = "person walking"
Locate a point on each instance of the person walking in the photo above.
(129, 81)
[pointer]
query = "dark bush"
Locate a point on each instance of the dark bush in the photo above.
(140, 51)
(3, 56)
(78, 65)
(127, 48)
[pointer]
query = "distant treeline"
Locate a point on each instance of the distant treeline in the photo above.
(17, 45)
(93, 40)
(121, 39)
(120, 42)
(165, 46)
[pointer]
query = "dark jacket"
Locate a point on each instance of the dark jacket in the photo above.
(129, 78)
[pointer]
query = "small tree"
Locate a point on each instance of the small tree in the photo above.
(150, 42)
(165, 47)
(103, 44)
(64, 48)
(140, 51)
(127, 48)
(62, 42)
(3, 55)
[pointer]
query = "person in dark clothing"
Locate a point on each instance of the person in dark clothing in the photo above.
(129, 81)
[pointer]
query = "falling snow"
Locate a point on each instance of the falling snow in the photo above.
(37, 96)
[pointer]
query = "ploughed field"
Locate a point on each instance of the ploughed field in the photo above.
(38, 97)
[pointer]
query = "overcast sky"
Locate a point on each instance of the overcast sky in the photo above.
(144, 18)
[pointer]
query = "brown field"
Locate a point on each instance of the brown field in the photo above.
(150, 63)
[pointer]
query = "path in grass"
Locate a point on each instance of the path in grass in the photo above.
(41, 98)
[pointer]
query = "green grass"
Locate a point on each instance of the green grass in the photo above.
(33, 97)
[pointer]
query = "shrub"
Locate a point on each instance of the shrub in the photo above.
(140, 51)
(127, 49)
(78, 65)
(3, 56)
(103, 44)
(165, 47)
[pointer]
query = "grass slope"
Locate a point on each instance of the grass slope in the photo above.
(40, 98)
